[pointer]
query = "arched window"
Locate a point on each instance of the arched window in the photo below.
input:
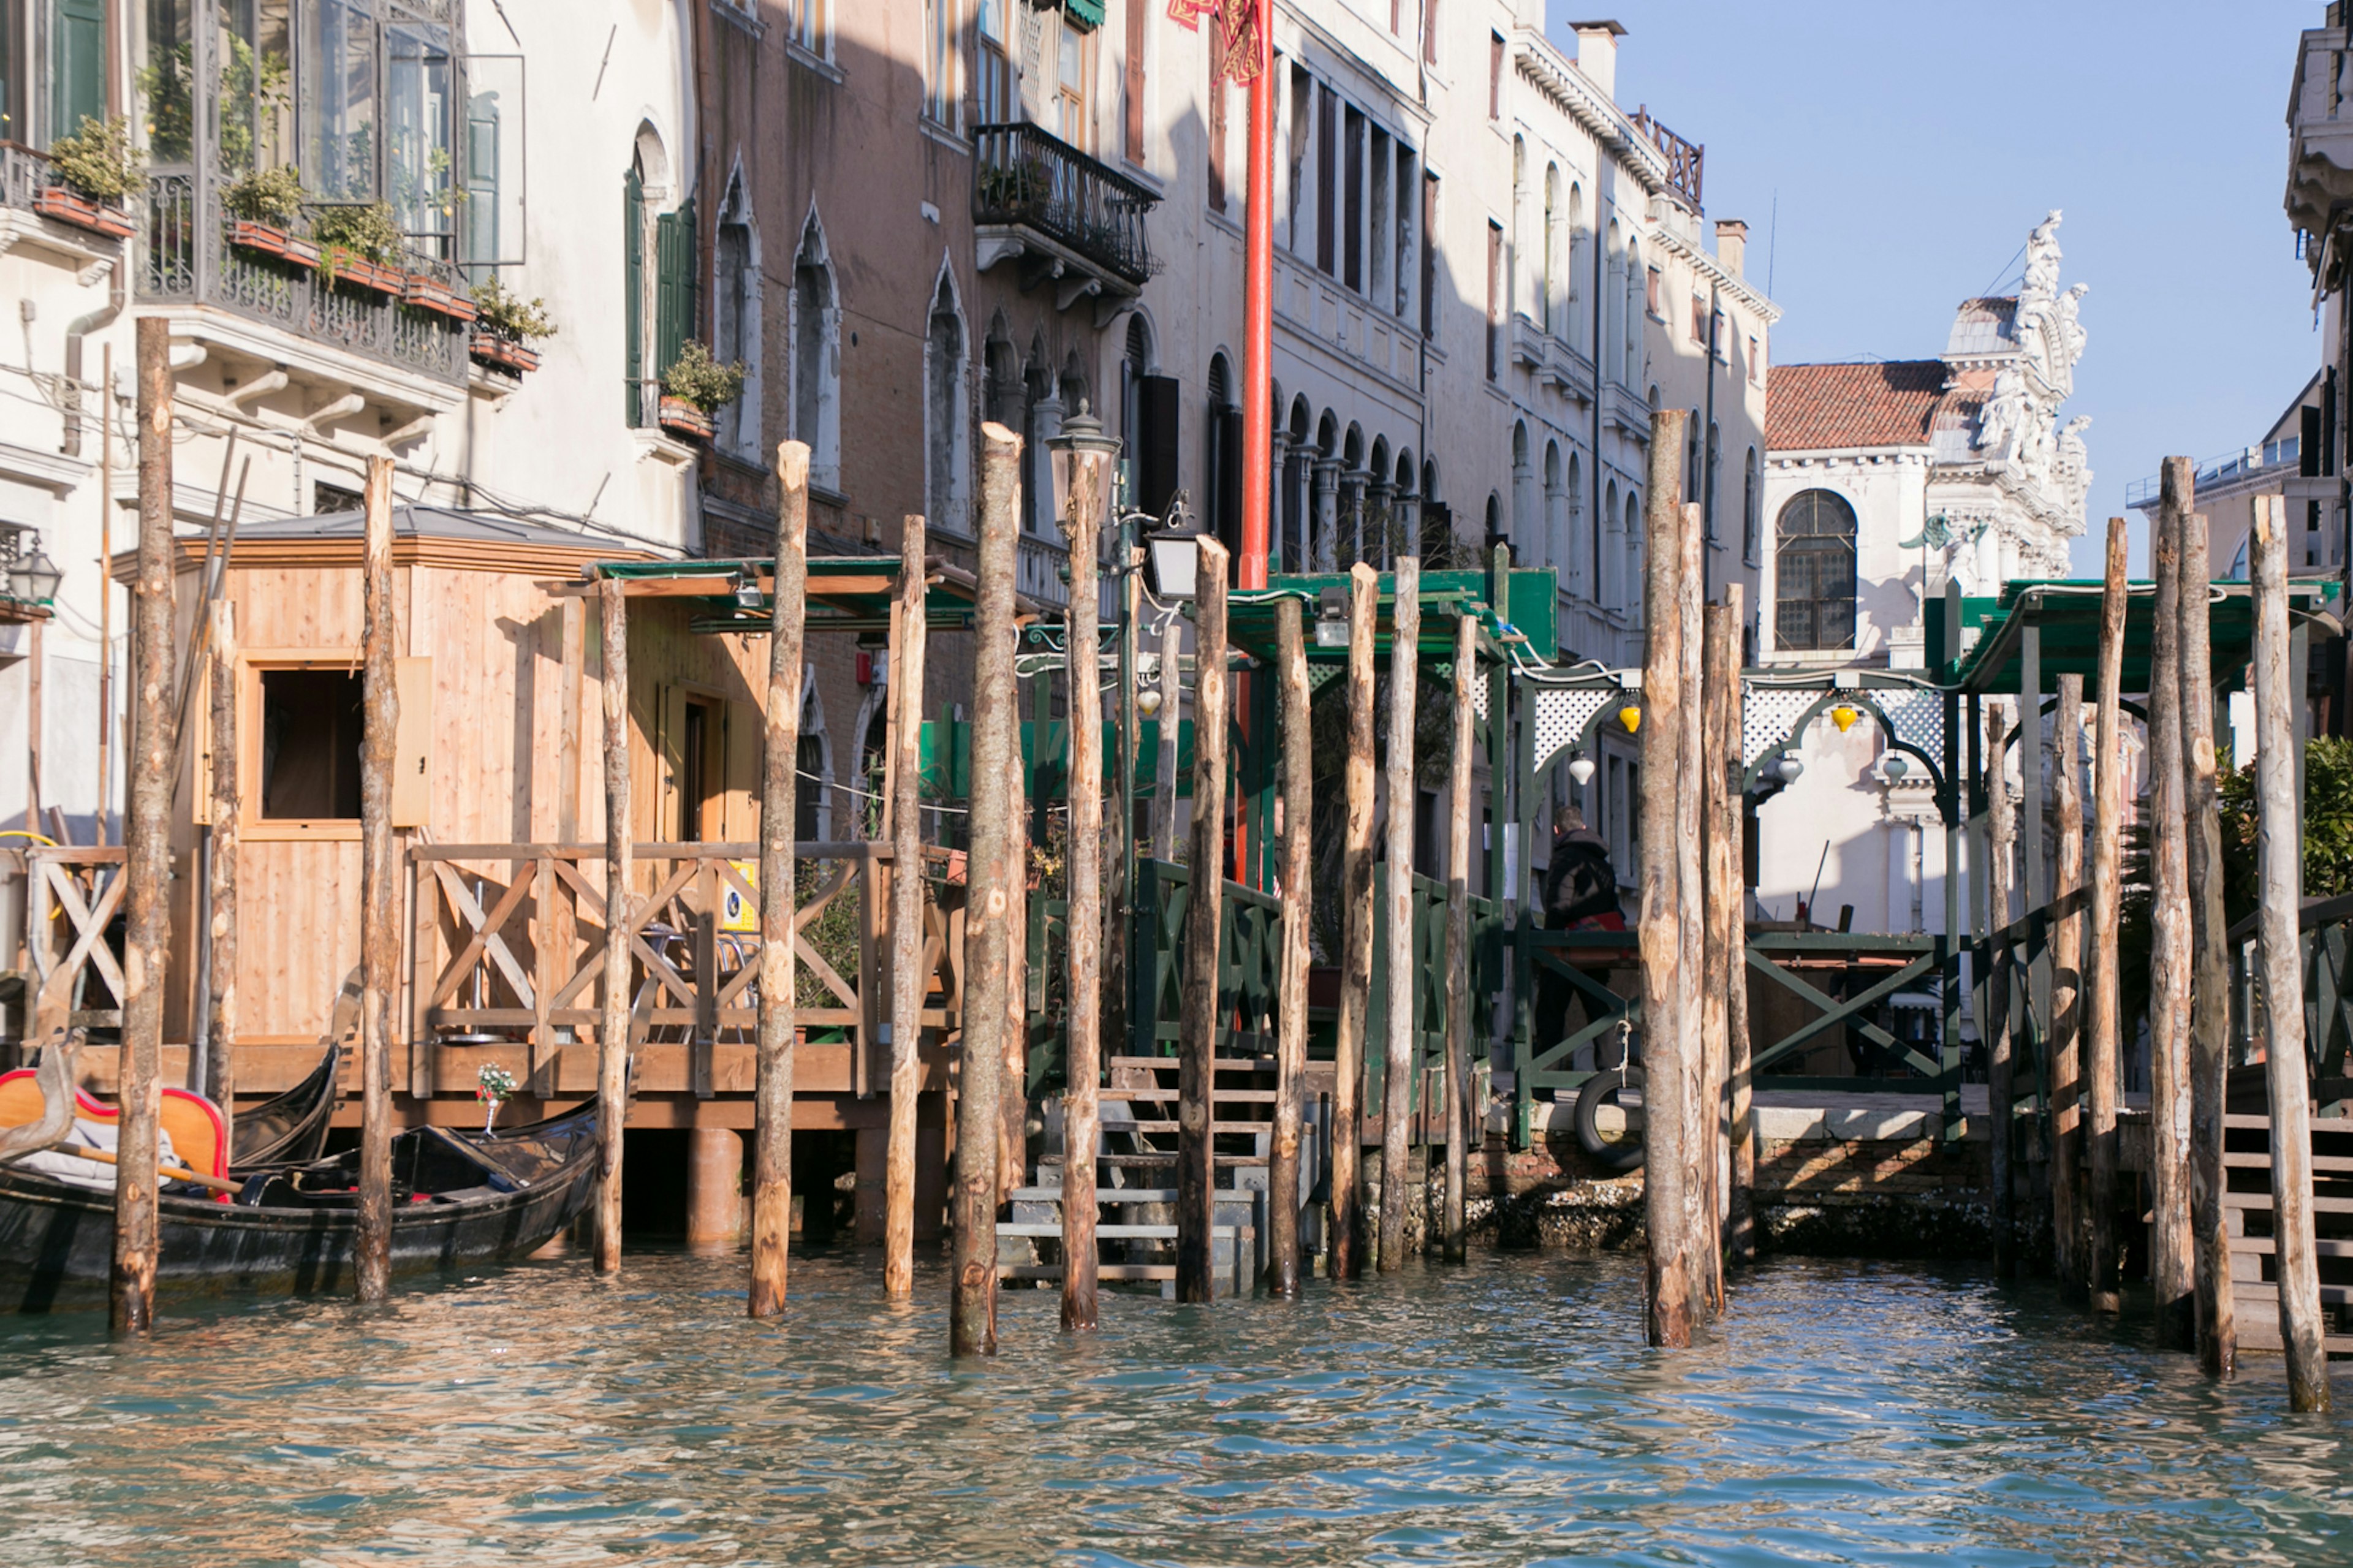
(1222, 468)
(1580, 257)
(1571, 557)
(945, 421)
(1494, 514)
(1523, 518)
(1550, 290)
(1630, 575)
(817, 358)
(1633, 343)
(1613, 305)
(1554, 552)
(1519, 227)
(1751, 510)
(736, 318)
(1813, 563)
(1134, 365)
(1606, 555)
(1691, 456)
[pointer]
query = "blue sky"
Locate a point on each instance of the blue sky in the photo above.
(1911, 147)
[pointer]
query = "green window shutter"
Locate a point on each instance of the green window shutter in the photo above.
(673, 285)
(80, 90)
(633, 324)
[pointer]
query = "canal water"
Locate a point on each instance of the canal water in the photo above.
(1502, 1413)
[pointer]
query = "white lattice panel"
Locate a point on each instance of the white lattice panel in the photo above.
(1768, 713)
(1562, 716)
(1917, 718)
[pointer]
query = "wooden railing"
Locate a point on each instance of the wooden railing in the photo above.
(71, 895)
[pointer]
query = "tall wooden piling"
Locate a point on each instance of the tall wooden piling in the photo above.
(2172, 1275)
(988, 904)
(2067, 998)
(1196, 1043)
(1740, 1127)
(2210, 963)
(221, 872)
(1298, 911)
(1464, 1126)
(621, 870)
(906, 917)
(147, 855)
(2279, 862)
(380, 892)
(1720, 902)
(2001, 990)
(2100, 1068)
(772, 1082)
(1083, 1022)
(1401, 1057)
(1667, 1282)
(1357, 935)
(1705, 1261)
(1013, 1063)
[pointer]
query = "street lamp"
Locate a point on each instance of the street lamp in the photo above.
(1790, 766)
(1083, 437)
(1332, 618)
(1580, 768)
(1176, 555)
(34, 580)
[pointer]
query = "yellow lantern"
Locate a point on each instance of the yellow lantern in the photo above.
(1631, 717)
(1843, 717)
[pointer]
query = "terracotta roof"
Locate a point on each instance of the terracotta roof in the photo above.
(1816, 407)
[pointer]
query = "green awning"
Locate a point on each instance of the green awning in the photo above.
(2068, 613)
(1086, 15)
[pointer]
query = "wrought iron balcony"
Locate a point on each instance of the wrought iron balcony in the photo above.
(1030, 183)
(23, 172)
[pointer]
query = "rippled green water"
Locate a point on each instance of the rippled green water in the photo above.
(1501, 1415)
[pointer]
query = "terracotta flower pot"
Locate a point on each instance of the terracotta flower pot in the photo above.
(361, 273)
(268, 239)
(503, 353)
(57, 202)
(429, 293)
(683, 418)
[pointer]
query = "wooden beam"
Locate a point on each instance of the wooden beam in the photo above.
(1291, 987)
(380, 889)
(2280, 877)
(613, 1033)
(1196, 1045)
(1346, 1259)
(2210, 965)
(2067, 999)
(907, 966)
(1402, 1057)
(988, 978)
(1083, 1026)
(2172, 1275)
(221, 871)
(772, 1137)
(147, 862)
(1462, 1124)
(2107, 864)
(1667, 1279)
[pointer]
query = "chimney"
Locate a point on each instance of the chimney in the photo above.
(1597, 54)
(1731, 244)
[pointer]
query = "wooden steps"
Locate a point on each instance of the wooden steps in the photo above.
(2247, 1210)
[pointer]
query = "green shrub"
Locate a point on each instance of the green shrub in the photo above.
(97, 163)
(372, 233)
(267, 195)
(695, 377)
(510, 316)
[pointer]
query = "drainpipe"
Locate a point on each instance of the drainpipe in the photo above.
(80, 327)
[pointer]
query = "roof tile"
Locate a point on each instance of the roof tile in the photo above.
(1814, 407)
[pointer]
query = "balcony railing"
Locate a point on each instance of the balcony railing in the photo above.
(1025, 178)
(1686, 161)
(23, 172)
(189, 259)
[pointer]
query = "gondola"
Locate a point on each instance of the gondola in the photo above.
(294, 1126)
(459, 1199)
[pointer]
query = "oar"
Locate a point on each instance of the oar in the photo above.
(176, 1172)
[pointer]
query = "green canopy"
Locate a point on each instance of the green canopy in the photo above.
(2067, 613)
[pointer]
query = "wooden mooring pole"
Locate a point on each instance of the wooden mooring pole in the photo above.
(613, 1029)
(2171, 1277)
(1727, 987)
(906, 917)
(1464, 1126)
(380, 892)
(2210, 963)
(2279, 852)
(1666, 1162)
(1401, 1057)
(1298, 909)
(1694, 807)
(2100, 1068)
(1197, 1170)
(221, 872)
(2001, 993)
(147, 859)
(1347, 1258)
(989, 903)
(1082, 1025)
(772, 1082)
(2067, 998)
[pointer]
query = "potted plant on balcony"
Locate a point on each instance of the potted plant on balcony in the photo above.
(695, 387)
(359, 245)
(264, 207)
(504, 326)
(95, 168)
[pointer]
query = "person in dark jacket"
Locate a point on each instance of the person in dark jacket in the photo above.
(1580, 893)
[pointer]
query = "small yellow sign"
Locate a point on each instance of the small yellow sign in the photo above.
(740, 914)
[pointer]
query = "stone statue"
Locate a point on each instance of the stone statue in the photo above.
(2071, 330)
(2005, 416)
(2043, 256)
(2074, 467)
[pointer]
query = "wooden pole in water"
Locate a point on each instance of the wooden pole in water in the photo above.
(907, 979)
(621, 870)
(1198, 1027)
(147, 855)
(2001, 980)
(380, 892)
(1298, 907)
(221, 873)
(1401, 1058)
(1356, 936)
(1666, 1160)
(1740, 1216)
(2172, 1275)
(1464, 1126)
(2210, 963)
(772, 1083)
(2067, 998)
(1727, 967)
(2280, 877)
(2107, 861)
(988, 906)
(1013, 1067)
(1083, 1025)
(1690, 904)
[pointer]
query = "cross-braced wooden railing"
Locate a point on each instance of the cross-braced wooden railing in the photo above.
(71, 896)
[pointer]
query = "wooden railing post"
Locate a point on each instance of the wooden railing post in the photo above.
(1401, 1057)
(1463, 1125)
(2107, 863)
(2280, 876)
(1082, 1023)
(771, 1154)
(2170, 1273)
(1345, 1261)
(1291, 991)
(380, 893)
(2067, 999)
(227, 806)
(613, 1031)
(1667, 1162)
(907, 976)
(1196, 1047)
(990, 904)
(2210, 963)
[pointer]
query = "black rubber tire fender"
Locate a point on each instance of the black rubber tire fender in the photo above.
(1613, 1154)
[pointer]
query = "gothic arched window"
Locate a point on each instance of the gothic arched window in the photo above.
(1813, 597)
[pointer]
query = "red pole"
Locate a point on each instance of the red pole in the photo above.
(1258, 309)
